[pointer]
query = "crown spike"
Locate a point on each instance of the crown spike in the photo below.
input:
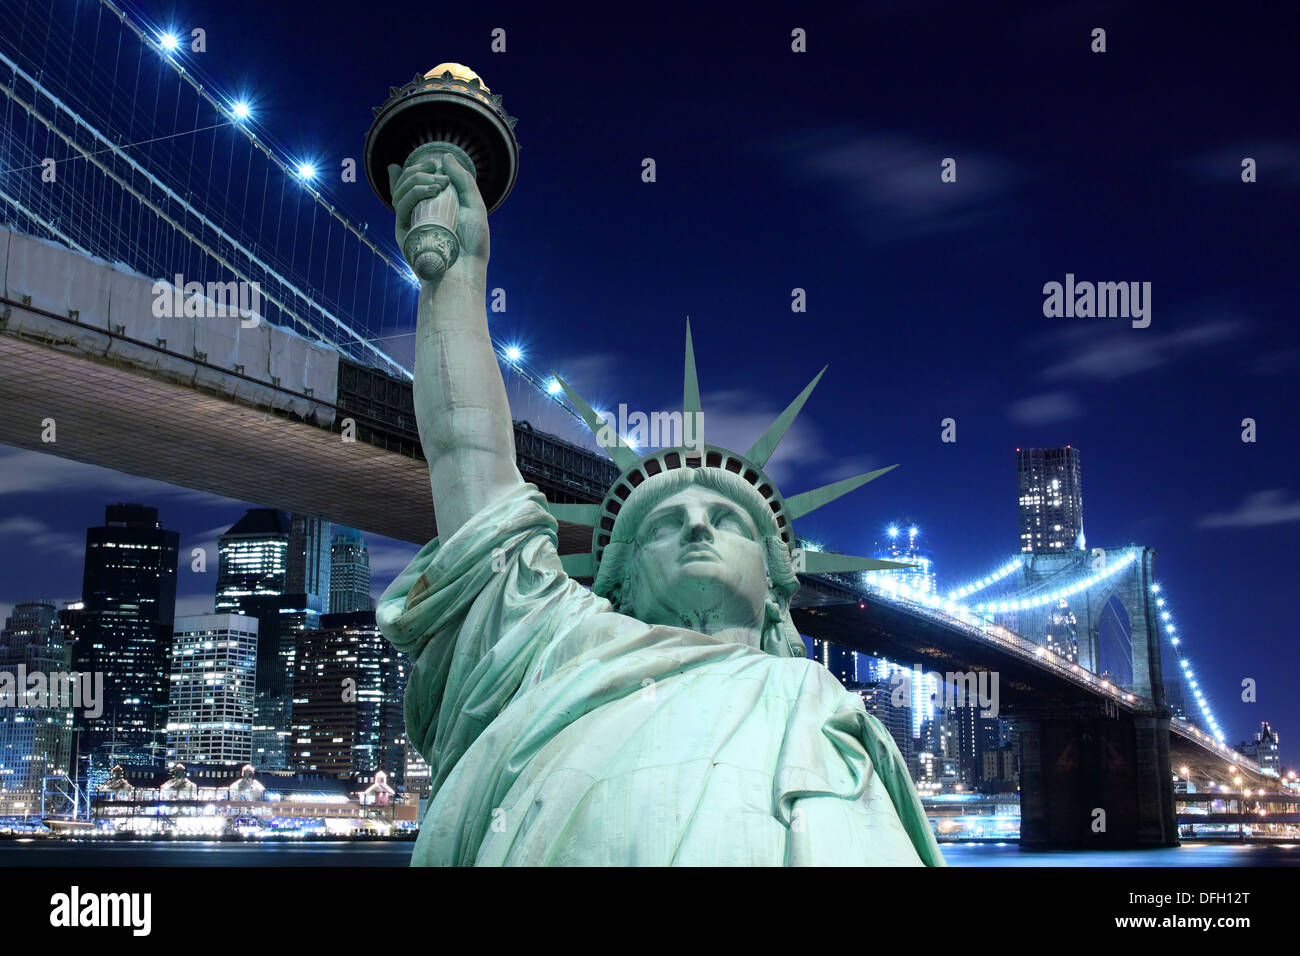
(692, 415)
(622, 454)
(809, 501)
(767, 442)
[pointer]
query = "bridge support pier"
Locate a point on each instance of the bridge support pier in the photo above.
(1073, 767)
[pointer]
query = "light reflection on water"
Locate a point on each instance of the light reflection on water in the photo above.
(1189, 854)
(198, 853)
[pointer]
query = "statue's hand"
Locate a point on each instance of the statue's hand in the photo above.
(425, 179)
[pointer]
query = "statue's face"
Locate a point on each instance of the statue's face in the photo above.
(700, 560)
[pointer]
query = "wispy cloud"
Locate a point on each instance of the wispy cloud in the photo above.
(893, 180)
(1258, 509)
(25, 535)
(1103, 352)
(1045, 409)
(29, 472)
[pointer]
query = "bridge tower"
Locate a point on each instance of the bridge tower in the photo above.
(1099, 778)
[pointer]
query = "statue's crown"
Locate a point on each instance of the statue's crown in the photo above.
(637, 470)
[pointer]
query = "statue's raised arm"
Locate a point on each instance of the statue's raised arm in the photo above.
(460, 399)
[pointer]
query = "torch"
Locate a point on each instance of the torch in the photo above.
(447, 110)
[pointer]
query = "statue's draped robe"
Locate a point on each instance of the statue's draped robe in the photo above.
(561, 732)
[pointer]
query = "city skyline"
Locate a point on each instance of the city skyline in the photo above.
(893, 533)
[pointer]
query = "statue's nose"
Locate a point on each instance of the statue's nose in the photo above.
(697, 529)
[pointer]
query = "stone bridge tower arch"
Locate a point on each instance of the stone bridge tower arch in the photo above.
(1131, 588)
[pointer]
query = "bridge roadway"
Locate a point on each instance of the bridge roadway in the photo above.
(112, 413)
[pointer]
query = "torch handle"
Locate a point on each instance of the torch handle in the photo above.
(431, 245)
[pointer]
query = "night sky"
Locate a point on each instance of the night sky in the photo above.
(821, 171)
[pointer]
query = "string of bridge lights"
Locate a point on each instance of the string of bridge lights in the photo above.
(1171, 631)
(304, 169)
(951, 605)
(967, 589)
(1016, 604)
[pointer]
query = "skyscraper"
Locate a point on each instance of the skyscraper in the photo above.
(253, 559)
(210, 713)
(901, 546)
(1051, 499)
(349, 573)
(308, 569)
(35, 741)
(348, 718)
(129, 596)
(256, 559)
(976, 736)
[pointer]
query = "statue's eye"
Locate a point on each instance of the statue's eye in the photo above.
(663, 526)
(733, 522)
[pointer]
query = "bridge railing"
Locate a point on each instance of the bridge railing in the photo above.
(1031, 651)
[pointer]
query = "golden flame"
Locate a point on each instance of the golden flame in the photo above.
(459, 71)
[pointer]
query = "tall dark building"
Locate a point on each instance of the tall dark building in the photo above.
(35, 735)
(129, 604)
(257, 558)
(348, 689)
(976, 736)
(1051, 499)
(308, 569)
(349, 573)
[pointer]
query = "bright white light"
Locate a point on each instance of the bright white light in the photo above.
(1155, 589)
(513, 353)
(241, 110)
(169, 41)
(893, 531)
(306, 170)
(552, 387)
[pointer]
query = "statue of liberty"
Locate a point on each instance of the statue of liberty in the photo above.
(666, 716)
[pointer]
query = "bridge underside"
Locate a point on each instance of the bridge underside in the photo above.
(109, 415)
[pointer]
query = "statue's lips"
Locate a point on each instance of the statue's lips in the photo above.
(700, 551)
